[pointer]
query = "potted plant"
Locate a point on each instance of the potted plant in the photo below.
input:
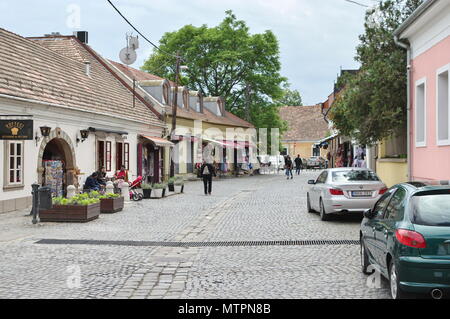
(171, 183)
(80, 208)
(146, 190)
(179, 185)
(111, 203)
(159, 190)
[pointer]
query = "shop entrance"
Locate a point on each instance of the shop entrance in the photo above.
(57, 166)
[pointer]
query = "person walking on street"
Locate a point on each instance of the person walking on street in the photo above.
(298, 164)
(289, 166)
(207, 172)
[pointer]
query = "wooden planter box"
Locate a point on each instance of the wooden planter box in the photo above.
(70, 213)
(158, 193)
(111, 205)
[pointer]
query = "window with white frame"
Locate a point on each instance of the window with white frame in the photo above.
(420, 113)
(14, 168)
(442, 107)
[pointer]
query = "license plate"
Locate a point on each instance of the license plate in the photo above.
(361, 193)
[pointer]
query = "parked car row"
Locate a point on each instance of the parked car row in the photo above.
(405, 231)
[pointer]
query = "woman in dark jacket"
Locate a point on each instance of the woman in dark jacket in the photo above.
(207, 171)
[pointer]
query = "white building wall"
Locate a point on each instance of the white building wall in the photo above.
(70, 122)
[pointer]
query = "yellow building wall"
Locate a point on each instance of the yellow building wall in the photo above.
(304, 149)
(392, 171)
(187, 125)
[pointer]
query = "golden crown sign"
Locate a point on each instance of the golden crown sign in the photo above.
(15, 127)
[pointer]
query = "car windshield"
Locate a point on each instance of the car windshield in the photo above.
(354, 175)
(431, 210)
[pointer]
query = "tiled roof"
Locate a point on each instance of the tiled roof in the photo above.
(52, 70)
(207, 116)
(137, 74)
(305, 123)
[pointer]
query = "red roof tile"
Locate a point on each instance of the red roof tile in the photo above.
(305, 123)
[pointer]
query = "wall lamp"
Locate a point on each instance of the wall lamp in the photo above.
(84, 135)
(45, 132)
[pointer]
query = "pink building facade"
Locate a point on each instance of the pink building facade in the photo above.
(428, 33)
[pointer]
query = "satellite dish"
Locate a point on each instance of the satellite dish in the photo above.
(127, 56)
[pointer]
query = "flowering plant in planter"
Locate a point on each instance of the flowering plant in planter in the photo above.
(81, 200)
(111, 203)
(80, 208)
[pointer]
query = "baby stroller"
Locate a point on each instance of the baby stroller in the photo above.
(134, 194)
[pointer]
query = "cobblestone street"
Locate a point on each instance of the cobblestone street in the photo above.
(190, 246)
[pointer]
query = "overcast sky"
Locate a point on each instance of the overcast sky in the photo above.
(316, 37)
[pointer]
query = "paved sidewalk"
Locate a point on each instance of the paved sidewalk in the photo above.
(259, 208)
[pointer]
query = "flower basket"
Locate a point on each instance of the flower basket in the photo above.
(111, 205)
(70, 213)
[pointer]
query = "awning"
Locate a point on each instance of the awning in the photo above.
(158, 141)
(93, 129)
(326, 139)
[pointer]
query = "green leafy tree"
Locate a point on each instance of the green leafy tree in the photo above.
(289, 97)
(226, 60)
(372, 106)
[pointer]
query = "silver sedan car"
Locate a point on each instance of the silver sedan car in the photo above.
(344, 190)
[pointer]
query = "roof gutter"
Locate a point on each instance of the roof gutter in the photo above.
(414, 16)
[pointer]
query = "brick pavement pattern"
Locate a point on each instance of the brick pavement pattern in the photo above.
(259, 208)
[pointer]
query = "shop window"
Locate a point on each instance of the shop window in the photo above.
(14, 164)
(126, 155)
(104, 155)
(108, 156)
(443, 114)
(420, 113)
(122, 155)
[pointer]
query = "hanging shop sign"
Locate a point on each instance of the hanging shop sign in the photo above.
(16, 129)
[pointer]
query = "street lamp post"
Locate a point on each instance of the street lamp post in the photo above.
(174, 113)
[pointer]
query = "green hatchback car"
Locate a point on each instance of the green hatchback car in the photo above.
(406, 237)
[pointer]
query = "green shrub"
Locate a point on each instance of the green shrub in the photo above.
(159, 186)
(146, 186)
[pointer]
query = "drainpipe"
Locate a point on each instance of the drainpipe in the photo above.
(407, 47)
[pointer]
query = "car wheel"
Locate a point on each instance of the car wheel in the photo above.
(396, 292)
(308, 204)
(365, 259)
(323, 215)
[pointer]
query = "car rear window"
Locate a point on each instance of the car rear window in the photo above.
(354, 175)
(431, 210)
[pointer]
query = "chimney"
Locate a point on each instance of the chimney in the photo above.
(87, 68)
(82, 36)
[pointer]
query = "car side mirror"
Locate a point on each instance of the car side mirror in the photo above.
(312, 182)
(369, 214)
